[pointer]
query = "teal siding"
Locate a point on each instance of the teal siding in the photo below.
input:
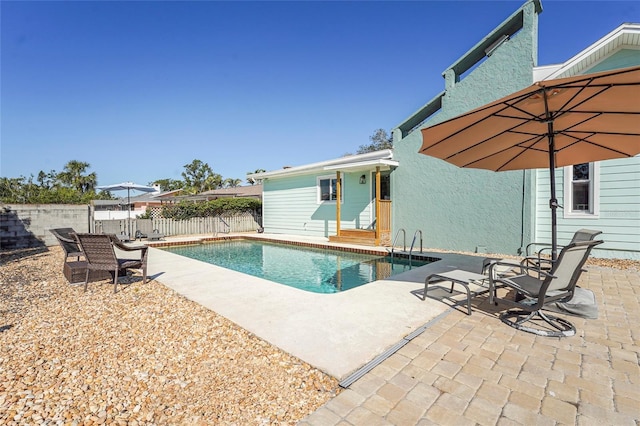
(619, 216)
(622, 59)
(466, 209)
(290, 205)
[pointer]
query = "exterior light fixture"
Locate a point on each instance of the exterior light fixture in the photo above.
(363, 179)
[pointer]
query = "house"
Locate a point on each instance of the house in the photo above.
(118, 209)
(477, 210)
(469, 209)
(303, 200)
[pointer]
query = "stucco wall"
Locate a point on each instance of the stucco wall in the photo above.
(467, 209)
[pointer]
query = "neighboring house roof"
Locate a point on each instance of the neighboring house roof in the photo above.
(626, 36)
(368, 161)
(238, 191)
(252, 191)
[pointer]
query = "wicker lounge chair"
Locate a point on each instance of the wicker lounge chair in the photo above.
(533, 292)
(99, 250)
(114, 227)
(67, 242)
(144, 229)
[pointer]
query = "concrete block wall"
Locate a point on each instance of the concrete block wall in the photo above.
(27, 225)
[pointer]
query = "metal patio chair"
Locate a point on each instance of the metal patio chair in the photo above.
(533, 292)
(114, 227)
(539, 254)
(145, 229)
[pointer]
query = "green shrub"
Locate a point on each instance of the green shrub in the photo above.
(188, 209)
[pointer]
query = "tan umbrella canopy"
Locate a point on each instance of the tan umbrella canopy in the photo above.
(552, 123)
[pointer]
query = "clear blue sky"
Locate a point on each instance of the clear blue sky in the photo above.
(139, 89)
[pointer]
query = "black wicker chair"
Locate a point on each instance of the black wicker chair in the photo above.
(99, 250)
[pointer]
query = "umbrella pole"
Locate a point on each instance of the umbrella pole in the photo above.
(553, 202)
(129, 209)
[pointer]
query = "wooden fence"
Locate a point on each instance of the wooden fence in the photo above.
(244, 222)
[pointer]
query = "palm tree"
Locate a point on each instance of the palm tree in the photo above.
(73, 177)
(232, 183)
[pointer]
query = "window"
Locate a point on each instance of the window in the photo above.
(581, 190)
(327, 189)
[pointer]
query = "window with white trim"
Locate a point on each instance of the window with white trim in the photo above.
(581, 190)
(327, 189)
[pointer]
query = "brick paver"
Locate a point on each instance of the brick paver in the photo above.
(475, 370)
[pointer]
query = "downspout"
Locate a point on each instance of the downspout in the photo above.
(338, 198)
(377, 240)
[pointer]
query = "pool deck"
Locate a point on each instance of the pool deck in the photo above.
(337, 333)
(462, 370)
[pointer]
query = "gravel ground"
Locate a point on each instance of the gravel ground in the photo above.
(145, 355)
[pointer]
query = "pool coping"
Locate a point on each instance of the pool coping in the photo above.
(336, 332)
(374, 251)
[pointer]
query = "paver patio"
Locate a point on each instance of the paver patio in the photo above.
(467, 370)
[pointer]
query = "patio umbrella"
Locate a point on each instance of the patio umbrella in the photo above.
(552, 123)
(129, 186)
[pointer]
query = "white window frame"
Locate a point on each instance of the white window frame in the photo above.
(594, 193)
(330, 178)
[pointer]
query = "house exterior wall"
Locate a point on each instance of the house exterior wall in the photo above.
(619, 194)
(290, 205)
(467, 209)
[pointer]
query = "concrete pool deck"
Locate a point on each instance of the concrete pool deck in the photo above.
(337, 333)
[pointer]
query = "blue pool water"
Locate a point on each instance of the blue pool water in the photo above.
(310, 269)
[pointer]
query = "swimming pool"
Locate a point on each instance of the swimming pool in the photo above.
(305, 268)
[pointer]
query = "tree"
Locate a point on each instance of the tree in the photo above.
(199, 177)
(73, 176)
(379, 140)
(232, 183)
(168, 184)
(253, 181)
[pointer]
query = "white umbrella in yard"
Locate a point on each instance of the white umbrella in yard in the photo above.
(129, 186)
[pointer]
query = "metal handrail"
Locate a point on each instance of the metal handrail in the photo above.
(404, 241)
(413, 242)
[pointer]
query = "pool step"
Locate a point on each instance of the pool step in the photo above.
(355, 236)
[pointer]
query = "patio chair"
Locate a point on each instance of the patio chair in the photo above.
(67, 242)
(113, 227)
(99, 250)
(539, 254)
(144, 229)
(532, 293)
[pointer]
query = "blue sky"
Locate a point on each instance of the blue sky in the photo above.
(139, 89)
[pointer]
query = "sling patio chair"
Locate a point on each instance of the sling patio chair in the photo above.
(535, 288)
(539, 254)
(114, 227)
(99, 250)
(144, 229)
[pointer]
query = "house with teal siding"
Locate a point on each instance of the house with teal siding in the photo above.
(345, 199)
(402, 192)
